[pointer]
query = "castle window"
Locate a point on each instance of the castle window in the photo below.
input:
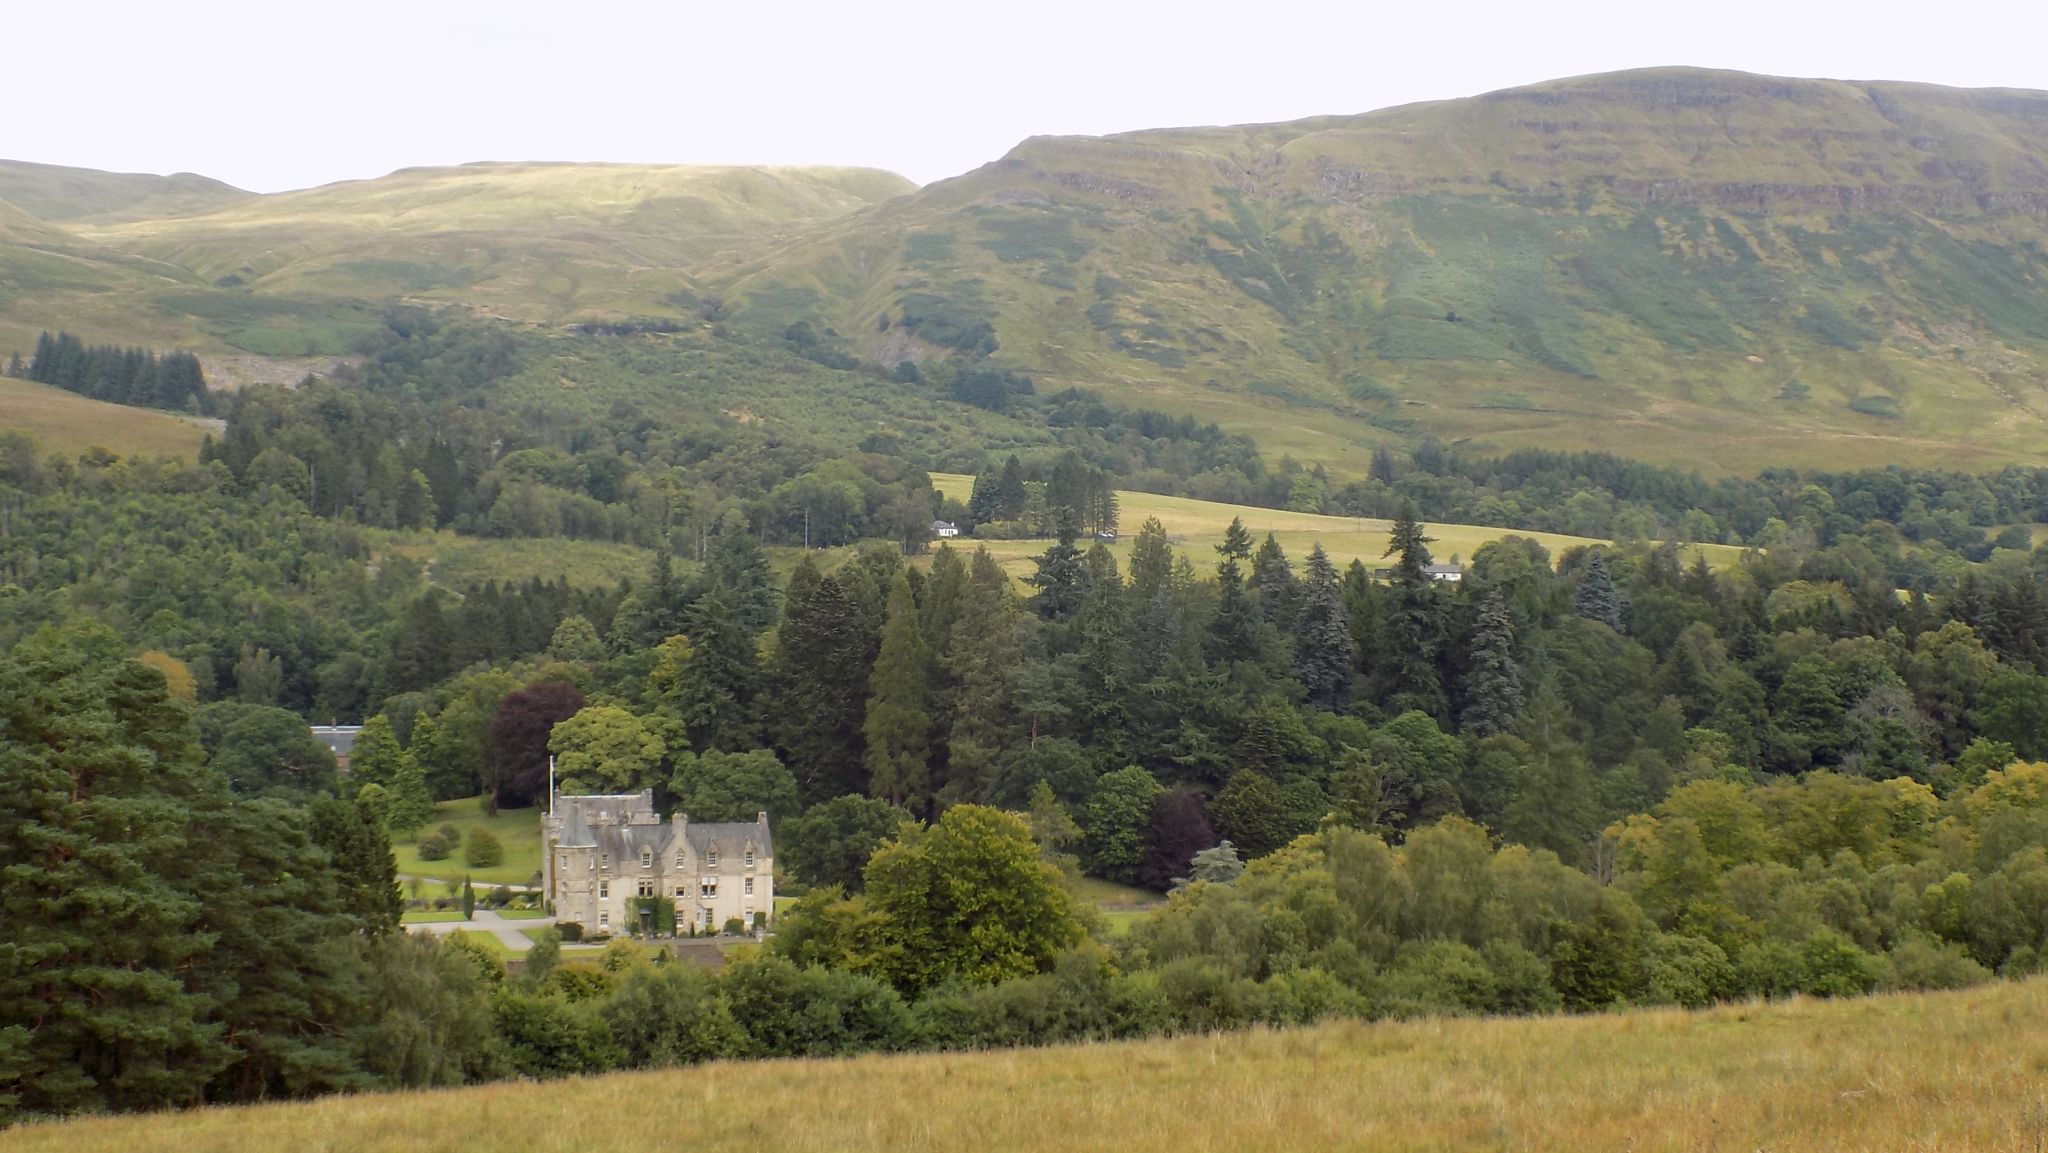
(604, 860)
(711, 857)
(750, 856)
(646, 888)
(679, 858)
(646, 857)
(604, 920)
(750, 886)
(707, 887)
(604, 888)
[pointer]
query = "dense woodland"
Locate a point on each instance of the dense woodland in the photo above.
(1565, 782)
(132, 376)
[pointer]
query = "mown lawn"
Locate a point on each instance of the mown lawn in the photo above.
(518, 833)
(1936, 1071)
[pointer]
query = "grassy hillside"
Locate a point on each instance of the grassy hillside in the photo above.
(1922, 1072)
(66, 423)
(1197, 526)
(54, 193)
(305, 274)
(1712, 268)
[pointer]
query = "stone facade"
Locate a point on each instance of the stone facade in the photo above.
(601, 854)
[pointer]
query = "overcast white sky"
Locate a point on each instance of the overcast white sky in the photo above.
(287, 94)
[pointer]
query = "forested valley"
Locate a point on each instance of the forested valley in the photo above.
(1616, 775)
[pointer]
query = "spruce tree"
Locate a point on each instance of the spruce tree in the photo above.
(15, 369)
(983, 663)
(1061, 579)
(1493, 686)
(1010, 491)
(1324, 652)
(1595, 599)
(711, 684)
(1104, 639)
(820, 673)
(985, 503)
(1412, 629)
(899, 723)
(1234, 629)
(1273, 577)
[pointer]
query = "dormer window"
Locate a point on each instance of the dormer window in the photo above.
(750, 856)
(711, 857)
(604, 860)
(679, 858)
(646, 857)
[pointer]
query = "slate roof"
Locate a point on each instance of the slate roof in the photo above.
(624, 841)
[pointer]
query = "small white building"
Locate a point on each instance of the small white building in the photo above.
(945, 529)
(1447, 573)
(604, 856)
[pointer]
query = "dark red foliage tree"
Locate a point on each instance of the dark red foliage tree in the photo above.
(518, 768)
(1180, 829)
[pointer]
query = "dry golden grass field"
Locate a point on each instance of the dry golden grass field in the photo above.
(1196, 527)
(1964, 1071)
(64, 422)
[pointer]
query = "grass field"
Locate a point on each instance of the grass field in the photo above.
(1197, 526)
(1944, 1071)
(459, 562)
(66, 423)
(430, 916)
(517, 830)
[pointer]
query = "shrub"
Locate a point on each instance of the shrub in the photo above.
(483, 850)
(1921, 963)
(734, 926)
(433, 848)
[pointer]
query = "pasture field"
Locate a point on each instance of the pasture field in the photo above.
(1197, 526)
(1938, 1071)
(517, 830)
(66, 423)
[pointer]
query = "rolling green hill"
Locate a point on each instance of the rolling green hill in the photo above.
(305, 274)
(1705, 268)
(1716, 268)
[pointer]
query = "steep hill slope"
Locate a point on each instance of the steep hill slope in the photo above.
(1712, 267)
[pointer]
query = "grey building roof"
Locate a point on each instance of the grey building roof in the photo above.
(624, 841)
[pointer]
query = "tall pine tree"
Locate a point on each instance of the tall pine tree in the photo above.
(1412, 629)
(899, 723)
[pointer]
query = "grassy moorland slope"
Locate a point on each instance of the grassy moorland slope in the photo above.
(1713, 268)
(1942, 1071)
(66, 423)
(306, 273)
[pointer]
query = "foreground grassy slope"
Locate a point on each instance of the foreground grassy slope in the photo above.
(1715, 268)
(1946, 1071)
(64, 422)
(1197, 526)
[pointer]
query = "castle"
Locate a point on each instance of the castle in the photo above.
(602, 854)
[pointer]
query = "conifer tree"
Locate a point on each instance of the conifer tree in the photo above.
(820, 673)
(1061, 579)
(1234, 630)
(1324, 653)
(710, 680)
(1103, 628)
(1010, 491)
(1493, 686)
(984, 661)
(1273, 577)
(985, 503)
(1596, 599)
(1412, 628)
(899, 723)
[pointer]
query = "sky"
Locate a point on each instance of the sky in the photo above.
(282, 95)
